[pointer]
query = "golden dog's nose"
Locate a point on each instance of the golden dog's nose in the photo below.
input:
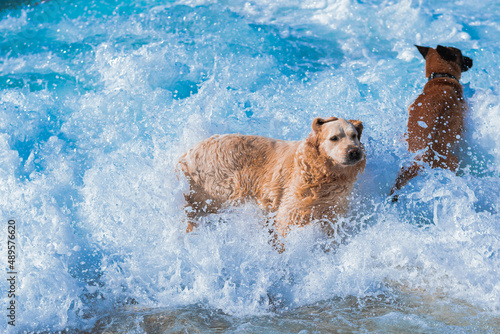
(354, 154)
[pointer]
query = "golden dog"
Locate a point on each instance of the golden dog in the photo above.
(299, 181)
(437, 116)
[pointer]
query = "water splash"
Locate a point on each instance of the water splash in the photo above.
(99, 99)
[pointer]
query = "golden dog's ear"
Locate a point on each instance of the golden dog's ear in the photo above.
(423, 50)
(318, 122)
(313, 138)
(358, 125)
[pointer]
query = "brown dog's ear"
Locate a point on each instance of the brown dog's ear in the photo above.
(446, 53)
(466, 64)
(423, 50)
(358, 125)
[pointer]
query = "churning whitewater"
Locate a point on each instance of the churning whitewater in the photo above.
(99, 99)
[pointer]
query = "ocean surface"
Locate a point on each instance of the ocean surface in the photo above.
(98, 100)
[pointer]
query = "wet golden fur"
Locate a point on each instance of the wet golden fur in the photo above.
(299, 181)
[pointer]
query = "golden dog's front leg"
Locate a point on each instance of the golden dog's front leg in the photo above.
(275, 239)
(199, 204)
(330, 224)
(297, 213)
(284, 219)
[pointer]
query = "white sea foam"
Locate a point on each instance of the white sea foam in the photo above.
(101, 105)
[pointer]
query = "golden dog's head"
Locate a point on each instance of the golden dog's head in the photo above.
(444, 59)
(338, 139)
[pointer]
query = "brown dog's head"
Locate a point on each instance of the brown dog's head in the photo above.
(444, 59)
(338, 139)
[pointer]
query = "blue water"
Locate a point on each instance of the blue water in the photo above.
(98, 99)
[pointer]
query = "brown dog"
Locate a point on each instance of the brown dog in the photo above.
(437, 116)
(298, 181)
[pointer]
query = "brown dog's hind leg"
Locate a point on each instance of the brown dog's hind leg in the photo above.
(405, 175)
(446, 160)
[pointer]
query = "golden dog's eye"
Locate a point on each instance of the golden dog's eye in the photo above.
(334, 138)
(353, 136)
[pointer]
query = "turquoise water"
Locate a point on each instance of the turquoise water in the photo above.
(98, 99)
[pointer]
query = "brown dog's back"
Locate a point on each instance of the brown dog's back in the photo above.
(436, 118)
(435, 122)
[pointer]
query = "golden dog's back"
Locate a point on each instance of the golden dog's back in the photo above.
(233, 166)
